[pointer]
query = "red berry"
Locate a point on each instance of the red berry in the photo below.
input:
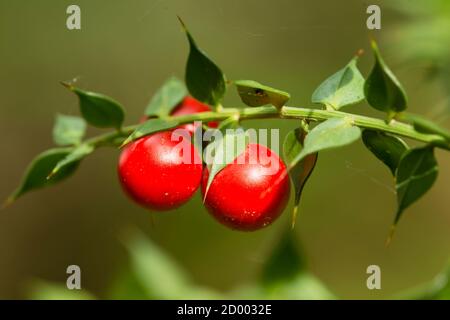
(152, 173)
(243, 195)
(190, 105)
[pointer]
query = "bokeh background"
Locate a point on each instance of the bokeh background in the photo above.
(126, 49)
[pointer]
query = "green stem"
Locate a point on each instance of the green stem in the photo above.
(317, 115)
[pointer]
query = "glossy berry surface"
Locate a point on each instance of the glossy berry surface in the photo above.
(152, 173)
(243, 195)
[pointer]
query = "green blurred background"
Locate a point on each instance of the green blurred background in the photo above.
(126, 49)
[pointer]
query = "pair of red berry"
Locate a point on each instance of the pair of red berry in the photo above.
(152, 174)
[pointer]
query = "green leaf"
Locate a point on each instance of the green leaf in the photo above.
(424, 125)
(285, 275)
(442, 292)
(204, 79)
(388, 149)
(284, 262)
(157, 272)
(382, 89)
(255, 94)
(416, 174)
(159, 275)
(228, 146)
(300, 172)
(97, 109)
(332, 133)
(306, 287)
(44, 290)
(166, 98)
(345, 87)
(149, 127)
(75, 156)
(127, 286)
(437, 288)
(36, 174)
(68, 130)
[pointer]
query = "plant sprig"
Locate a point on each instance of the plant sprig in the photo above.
(414, 169)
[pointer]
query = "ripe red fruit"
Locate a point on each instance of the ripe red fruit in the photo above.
(243, 195)
(152, 173)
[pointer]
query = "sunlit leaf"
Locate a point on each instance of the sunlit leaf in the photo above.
(255, 94)
(157, 272)
(436, 289)
(159, 275)
(228, 146)
(68, 130)
(166, 98)
(332, 133)
(442, 293)
(345, 87)
(44, 290)
(74, 157)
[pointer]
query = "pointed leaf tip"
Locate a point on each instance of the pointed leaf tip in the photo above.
(359, 53)
(9, 201)
(294, 216)
(204, 79)
(182, 23)
(382, 89)
(98, 109)
(416, 174)
(73, 158)
(301, 171)
(51, 174)
(36, 174)
(390, 236)
(126, 141)
(67, 85)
